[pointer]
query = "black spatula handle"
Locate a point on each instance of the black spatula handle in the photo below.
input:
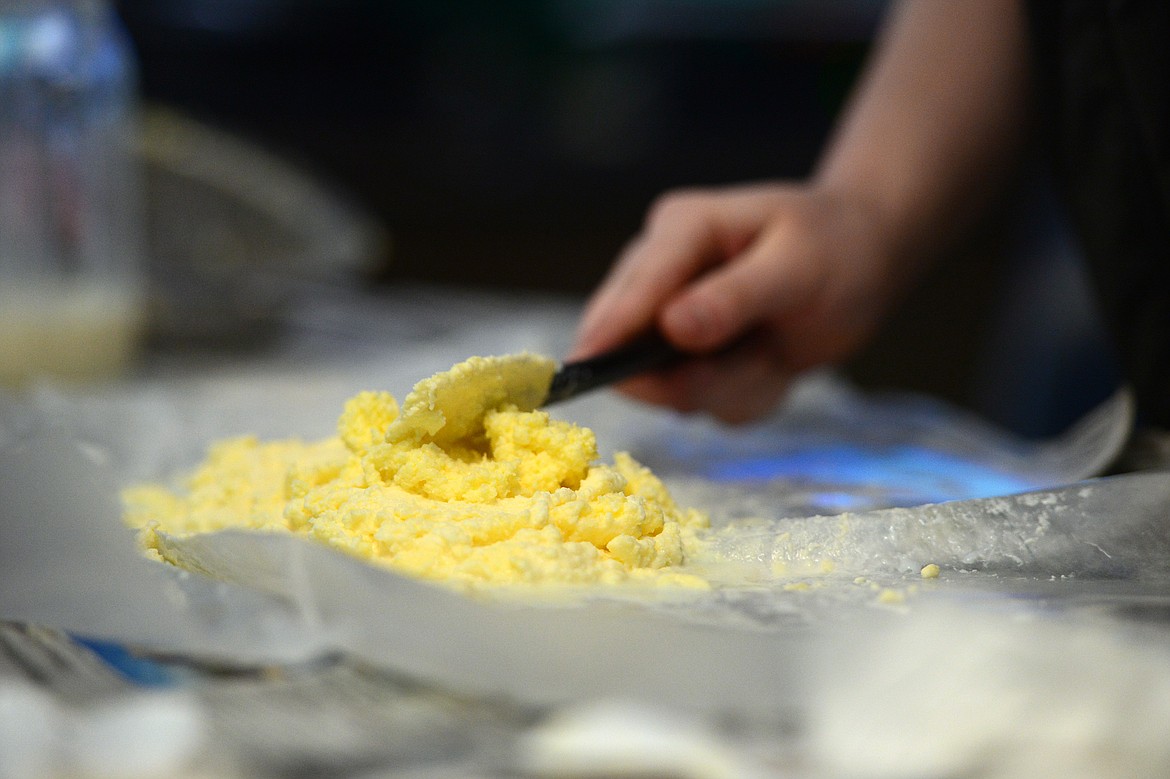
(639, 356)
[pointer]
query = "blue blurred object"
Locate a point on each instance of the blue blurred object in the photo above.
(138, 670)
(833, 449)
(910, 474)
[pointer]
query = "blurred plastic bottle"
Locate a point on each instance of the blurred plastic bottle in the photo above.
(71, 222)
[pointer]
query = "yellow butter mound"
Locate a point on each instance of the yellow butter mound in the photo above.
(467, 484)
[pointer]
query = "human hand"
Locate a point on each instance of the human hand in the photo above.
(788, 276)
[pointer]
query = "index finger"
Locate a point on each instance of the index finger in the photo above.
(684, 233)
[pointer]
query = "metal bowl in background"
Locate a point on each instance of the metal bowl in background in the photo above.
(233, 231)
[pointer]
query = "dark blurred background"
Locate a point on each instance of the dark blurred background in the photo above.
(517, 144)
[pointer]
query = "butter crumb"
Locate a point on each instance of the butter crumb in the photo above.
(930, 571)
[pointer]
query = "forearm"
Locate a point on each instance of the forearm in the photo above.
(936, 122)
(808, 270)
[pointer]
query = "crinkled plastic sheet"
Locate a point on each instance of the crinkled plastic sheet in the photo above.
(279, 599)
(1114, 527)
(66, 561)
